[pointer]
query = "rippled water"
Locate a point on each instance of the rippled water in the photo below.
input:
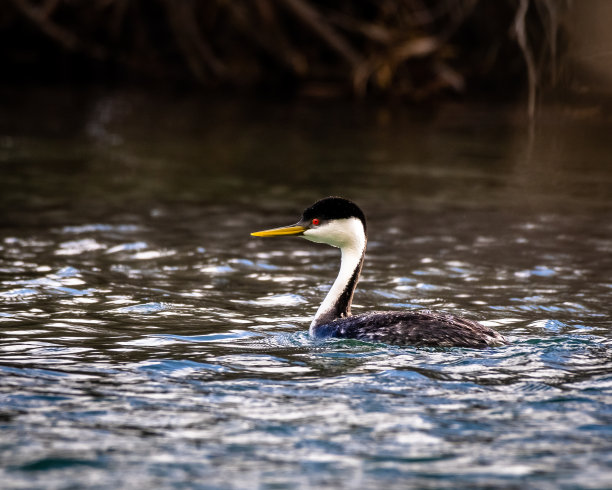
(147, 340)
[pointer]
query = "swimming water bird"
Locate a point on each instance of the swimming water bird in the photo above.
(340, 223)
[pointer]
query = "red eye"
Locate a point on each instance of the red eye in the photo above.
(315, 222)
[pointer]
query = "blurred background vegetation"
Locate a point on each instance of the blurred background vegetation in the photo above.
(408, 49)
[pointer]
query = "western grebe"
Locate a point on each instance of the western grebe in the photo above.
(340, 223)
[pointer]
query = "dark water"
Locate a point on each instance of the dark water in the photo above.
(147, 341)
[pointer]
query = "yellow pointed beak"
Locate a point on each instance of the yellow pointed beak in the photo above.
(282, 231)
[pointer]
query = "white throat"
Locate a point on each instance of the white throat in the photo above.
(349, 236)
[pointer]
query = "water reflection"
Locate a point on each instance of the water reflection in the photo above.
(146, 340)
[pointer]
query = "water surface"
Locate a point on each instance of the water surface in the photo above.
(147, 340)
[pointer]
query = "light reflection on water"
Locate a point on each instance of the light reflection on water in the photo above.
(146, 339)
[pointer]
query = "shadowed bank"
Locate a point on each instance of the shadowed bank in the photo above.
(411, 49)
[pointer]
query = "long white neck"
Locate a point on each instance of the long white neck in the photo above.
(350, 237)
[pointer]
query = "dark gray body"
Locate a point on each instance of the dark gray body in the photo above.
(419, 328)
